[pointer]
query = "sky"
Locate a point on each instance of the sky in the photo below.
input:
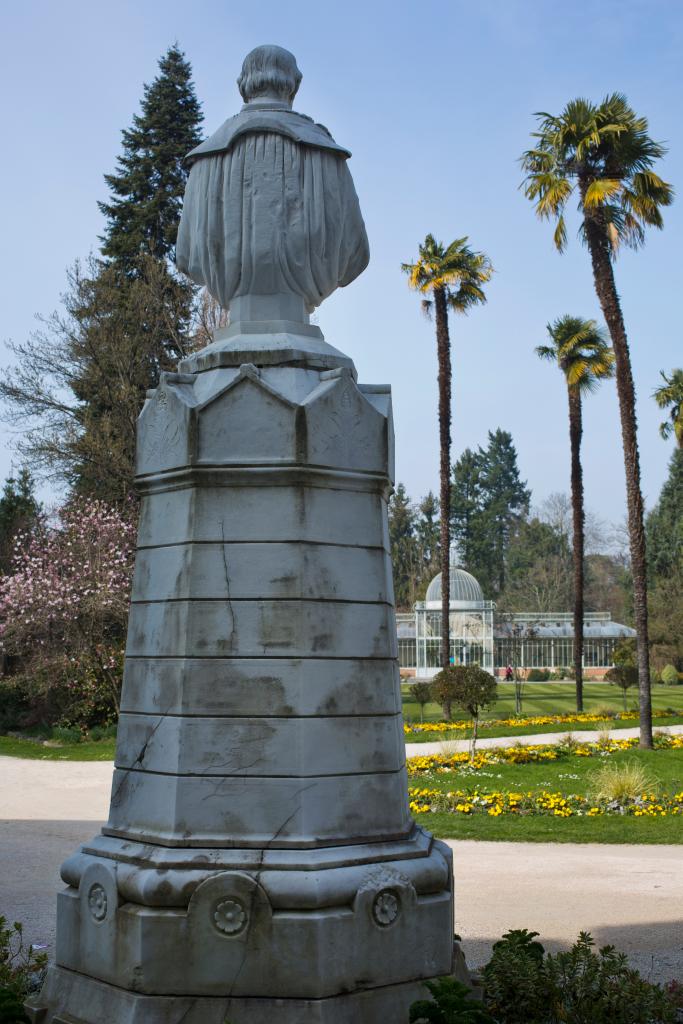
(436, 101)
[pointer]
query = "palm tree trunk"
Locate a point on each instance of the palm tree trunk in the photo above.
(606, 289)
(443, 349)
(575, 433)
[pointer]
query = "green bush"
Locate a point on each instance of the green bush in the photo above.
(11, 1008)
(524, 985)
(567, 672)
(66, 734)
(670, 675)
(538, 675)
(624, 676)
(451, 1003)
(21, 971)
(421, 692)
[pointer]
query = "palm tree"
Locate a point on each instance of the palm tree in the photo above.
(449, 278)
(670, 396)
(584, 357)
(604, 151)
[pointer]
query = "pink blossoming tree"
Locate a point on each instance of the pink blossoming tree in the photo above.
(63, 613)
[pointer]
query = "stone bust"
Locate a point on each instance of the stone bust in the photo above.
(271, 223)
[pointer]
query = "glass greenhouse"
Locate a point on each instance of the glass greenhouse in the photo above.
(543, 640)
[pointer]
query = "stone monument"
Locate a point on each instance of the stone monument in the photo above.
(259, 862)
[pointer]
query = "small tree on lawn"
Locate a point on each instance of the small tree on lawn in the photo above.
(624, 674)
(442, 691)
(476, 690)
(469, 688)
(421, 694)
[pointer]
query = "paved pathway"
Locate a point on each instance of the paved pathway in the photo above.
(585, 735)
(631, 896)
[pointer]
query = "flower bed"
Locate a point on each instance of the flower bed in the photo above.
(559, 805)
(584, 718)
(520, 753)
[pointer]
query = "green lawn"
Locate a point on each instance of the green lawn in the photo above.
(566, 775)
(547, 699)
(102, 750)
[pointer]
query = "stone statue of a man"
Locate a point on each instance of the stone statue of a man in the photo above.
(271, 214)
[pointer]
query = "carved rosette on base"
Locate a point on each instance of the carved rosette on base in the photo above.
(259, 862)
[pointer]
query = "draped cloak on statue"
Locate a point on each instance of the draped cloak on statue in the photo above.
(270, 207)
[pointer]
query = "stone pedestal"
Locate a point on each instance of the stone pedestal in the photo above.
(259, 862)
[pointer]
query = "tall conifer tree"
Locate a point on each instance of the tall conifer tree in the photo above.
(147, 189)
(80, 383)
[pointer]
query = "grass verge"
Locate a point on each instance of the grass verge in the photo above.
(101, 750)
(568, 774)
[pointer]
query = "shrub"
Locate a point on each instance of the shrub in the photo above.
(443, 690)
(670, 675)
(524, 985)
(64, 734)
(21, 971)
(621, 782)
(624, 676)
(513, 988)
(11, 1008)
(451, 1003)
(538, 675)
(421, 694)
(567, 672)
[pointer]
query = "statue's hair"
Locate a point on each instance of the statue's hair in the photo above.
(269, 69)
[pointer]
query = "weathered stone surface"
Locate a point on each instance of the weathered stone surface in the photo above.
(276, 629)
(263, 571)
(261, 686)
(96, 1001)
(297, 747)
(191, 810)
(264, 511)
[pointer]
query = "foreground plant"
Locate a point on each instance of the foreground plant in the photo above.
(451, 1003)
(21, 970)
(524, 985)
(604, 152)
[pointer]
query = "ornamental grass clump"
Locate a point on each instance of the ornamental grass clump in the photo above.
(622, 783)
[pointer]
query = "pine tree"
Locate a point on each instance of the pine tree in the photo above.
(665, 559)
(505, 500)
(403, 547)
(665, 523)
(427, 531)
(147, 189)
(80, 382)
(466, 509)
(19, 508)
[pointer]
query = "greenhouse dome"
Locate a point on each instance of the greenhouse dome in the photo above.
(464, 588)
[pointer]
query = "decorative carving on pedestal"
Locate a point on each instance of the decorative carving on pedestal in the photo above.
(230, 917)
(386, 907)
(97, 902)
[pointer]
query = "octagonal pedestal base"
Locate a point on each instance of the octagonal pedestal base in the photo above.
(96, 1002)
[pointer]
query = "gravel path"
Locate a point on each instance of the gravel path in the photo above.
(585, 735)
(631, 896)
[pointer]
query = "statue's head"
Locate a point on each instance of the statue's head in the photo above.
(269, 72)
